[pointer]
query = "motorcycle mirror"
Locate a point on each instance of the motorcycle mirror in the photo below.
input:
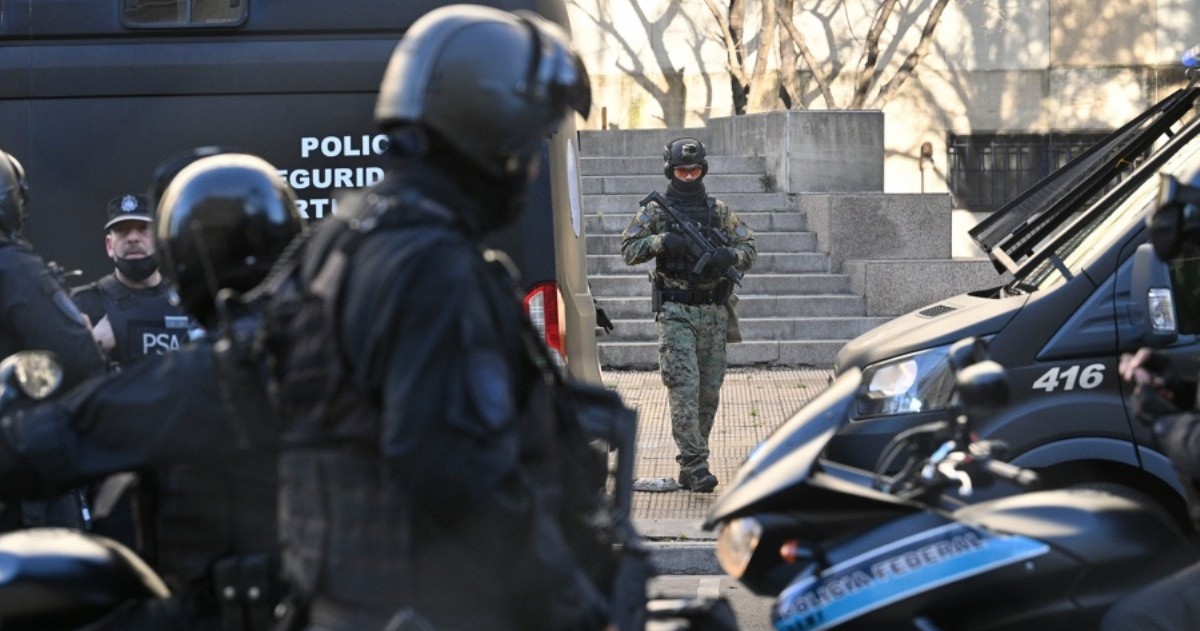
(982, 387)
(38, 374)
(965, 352)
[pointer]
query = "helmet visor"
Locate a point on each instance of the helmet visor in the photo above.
(557, 73)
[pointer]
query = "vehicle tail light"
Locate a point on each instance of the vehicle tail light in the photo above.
(544, 307)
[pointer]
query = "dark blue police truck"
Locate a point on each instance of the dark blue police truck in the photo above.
(1083, 288)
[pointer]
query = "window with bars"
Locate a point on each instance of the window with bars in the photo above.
(986, 170)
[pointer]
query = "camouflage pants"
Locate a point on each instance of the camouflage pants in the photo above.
(691, 357)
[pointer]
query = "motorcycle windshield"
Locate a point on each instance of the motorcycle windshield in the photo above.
(788, 456)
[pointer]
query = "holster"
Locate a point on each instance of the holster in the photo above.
(655, 296)
(733, 329)
(246, 591)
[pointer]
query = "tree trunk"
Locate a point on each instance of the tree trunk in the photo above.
(732, 25)
(789, 89)
(764, 88)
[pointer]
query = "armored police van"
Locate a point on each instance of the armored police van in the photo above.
(95, 93)
(1077, 299)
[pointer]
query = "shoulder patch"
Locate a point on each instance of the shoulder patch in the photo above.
(488, 385)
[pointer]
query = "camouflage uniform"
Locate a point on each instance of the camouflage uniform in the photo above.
(691, 350)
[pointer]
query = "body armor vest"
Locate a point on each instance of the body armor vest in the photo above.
(202, 509)
(143, 323)
(211, 532)
(679, 265)
(330, 484)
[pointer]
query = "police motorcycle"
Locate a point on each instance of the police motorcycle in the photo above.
(899, 548)
(58, 578)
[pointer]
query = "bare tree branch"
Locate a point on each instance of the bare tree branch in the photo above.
(870, 55)
(811, 61)
(731, 49)
(909, 66)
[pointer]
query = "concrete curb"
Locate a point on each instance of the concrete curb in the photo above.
(683, 557)
(679, 546)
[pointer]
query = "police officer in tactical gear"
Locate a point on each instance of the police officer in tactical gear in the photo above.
(692, 306)
(132, 317)
(199, 418)
(130, 309)
(1166, 401)
(36, 313)
(407, 378)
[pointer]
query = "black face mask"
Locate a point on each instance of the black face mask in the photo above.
(137, 270)
(687, 192)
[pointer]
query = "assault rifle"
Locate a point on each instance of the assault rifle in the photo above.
(702, 241)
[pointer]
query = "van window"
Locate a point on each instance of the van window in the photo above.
(183, 13)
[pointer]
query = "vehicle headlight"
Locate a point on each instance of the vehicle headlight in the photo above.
(920, 382)
(736, 543)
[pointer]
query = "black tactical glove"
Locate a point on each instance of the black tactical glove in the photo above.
(674, 243)
(721, 259)
(1149, 405)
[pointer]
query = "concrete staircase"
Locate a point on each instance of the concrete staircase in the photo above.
(794, 310)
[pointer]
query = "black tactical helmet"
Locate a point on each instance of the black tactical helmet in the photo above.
(169, 168)
(1175, 224)
(683, 152)
(14, 194)
(222, 223)
(491, 84)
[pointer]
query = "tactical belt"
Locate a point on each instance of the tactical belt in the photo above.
(694, 296)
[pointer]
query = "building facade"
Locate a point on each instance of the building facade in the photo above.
(1007, 89)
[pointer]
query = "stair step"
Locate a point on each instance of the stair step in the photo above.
(767, 263)
(653, 165)
(759, 222)
(769, 284)
(763, 241)
(644, 355)
(750, 306)
(716, 184)
(758, 329)
(627, 203)
(635, 142)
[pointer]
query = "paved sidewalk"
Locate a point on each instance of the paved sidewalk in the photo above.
(753, 404)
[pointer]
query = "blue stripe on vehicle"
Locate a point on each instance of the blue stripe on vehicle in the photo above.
(897, 571)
